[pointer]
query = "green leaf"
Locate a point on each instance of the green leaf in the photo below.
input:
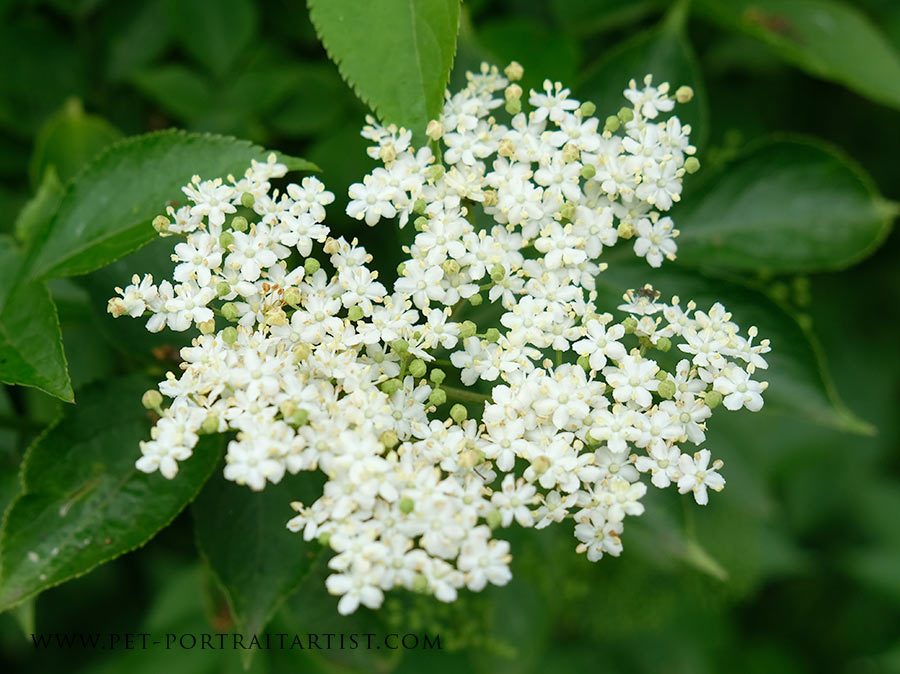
(214, 32)
(831, 40)
(798, 378)
(139, 37)
(106, 212)
(178, 89)
(38, 210)
(68, 140)
(83, 502)
(242, 536)
(31, 352)
(784, 206)
(395, 54)
(664, 52)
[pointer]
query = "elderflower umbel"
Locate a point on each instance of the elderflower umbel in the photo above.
(321, 366)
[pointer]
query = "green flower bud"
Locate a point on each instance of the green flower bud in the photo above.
(417, 368)
(230, 335)
(300, 418)
(438, 397)
(355, 313)
(223, 288)
(210, 423)
(684, 94)
(713, 399)
(230, 311)
(420, 223)
(476, 300)
(630, 324)
(226, 238)
(588, 109)
(492, 335)
(292, 296)
(239, 223)
(467, 329)
(494, 519)
(666, 389)
(612, 124)
(450, 266)
(664, 344)
(662, 375)
(301, 352)
(459, 413)
(691, 165)
(152, 400)
(400, 346)
(287, 409)
(207, 327)
(401, 269)
(311, 266)
(389, 439)
(419, 206)
(626, 115)
(420, 584)
(498, 273)
(324, 539)
(584, 362)
(437, 376)
(588, 171)
(435, 172)
(391, 386)
(567, 212)
(513, 106)
(626, 230)
(514, 71)
(406, 505)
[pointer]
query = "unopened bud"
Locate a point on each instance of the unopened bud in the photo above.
(230, 311)
(420, 224)
(387, 153)
(239, 223)
(420, 584)
(324, 539)
(438, 397)
(494, 519)
(467, 329)
(301, 352)
(506, 148)
(513, 91)
(292, 296)
(400, 346)
(584, 362)
(226, 239)
(664, 344)
(434, 130)
(666, 389)
(287, 409)
(492, 335)
(230, 335)
(391, 386)
(389, 439)
(662, 375)
(469, 459)
(476, 300)
(514, 71)
(247, 200)
(588, 109)
(437, 376)
(626, 115)
(300, 418)
(684, 94)
(161, 224)
(276, 316)
(401, 269)
(419, 206)
(311, 266)
(498, 273)
(210, 423)
(588, 171)
(691, 165)
(152, 400)
(567, 212)
(513, 106)
(223, 288)
(450, 266)
(417, 368)
(490, 198)
(406, 505)
(116, 307)
(626, 230)
(207, 327)
(630, 324)
(612, 124)
(570, 152)
(540, 465)
(355, 313)
(435, 172)
(459, 413)
(713, 399)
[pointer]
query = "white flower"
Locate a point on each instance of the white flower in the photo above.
(697, 475)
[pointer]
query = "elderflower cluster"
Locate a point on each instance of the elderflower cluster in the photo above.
(319, 366)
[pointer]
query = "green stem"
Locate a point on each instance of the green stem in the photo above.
(464, 396)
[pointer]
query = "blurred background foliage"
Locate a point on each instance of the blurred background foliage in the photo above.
(795, 567)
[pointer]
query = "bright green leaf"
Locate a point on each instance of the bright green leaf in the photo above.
(799, 382)
(38, 210)
(784, 206)
(106, 211)
(663, 52)
(68, 140)
(214, 32)
(395, 54)
(31, 352)
(831, 40)
(243, 537)
(83, 501)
